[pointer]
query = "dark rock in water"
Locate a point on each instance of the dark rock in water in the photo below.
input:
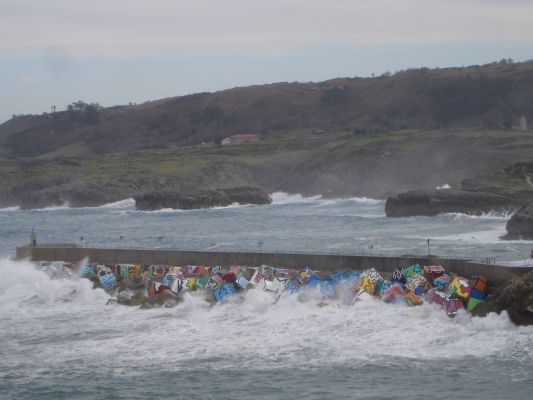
(36, 197)
(520, 226)
(516, 297)
(202, 199)
(434, 202)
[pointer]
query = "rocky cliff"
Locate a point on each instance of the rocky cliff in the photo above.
(520, 226)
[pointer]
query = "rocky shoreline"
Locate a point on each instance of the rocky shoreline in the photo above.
(201, 199)
(152, 199)
(509, 191)
(434, 202)
(515, 297)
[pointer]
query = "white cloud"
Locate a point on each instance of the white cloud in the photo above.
(134, 28)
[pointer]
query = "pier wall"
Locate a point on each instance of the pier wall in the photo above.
(321, 262)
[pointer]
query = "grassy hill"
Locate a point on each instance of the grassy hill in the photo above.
(347, 136)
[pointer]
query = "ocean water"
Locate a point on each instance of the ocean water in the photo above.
(59, 339)
(291, 224)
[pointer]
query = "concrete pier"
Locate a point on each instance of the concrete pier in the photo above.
(322, 262)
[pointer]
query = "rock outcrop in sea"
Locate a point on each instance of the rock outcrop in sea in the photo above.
(500, 192)
(434, 202)
(157, 200)
(520, 226)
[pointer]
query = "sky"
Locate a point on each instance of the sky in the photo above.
(54, 52)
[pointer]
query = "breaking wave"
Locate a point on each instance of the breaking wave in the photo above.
(126, 203)
(252, 331)
(493, 215)
(24, 287)
(7, 209)
(64, 206)
(286, 198)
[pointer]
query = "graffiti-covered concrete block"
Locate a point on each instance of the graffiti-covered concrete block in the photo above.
(225, 292)
(394, 294)
(372, 274)
(412, 271)
(431, 272)
(452, 306)
(412, 299)
(473, 303)
(418, 282)
(442, 283)
(461, 287)
(480, 284)
(436, 296)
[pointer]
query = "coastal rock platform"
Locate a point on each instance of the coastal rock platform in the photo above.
(434, 202)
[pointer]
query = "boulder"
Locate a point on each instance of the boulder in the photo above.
(516, 297)
(520, 226)
(434, 202)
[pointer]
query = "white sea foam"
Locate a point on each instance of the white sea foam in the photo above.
(24, 286)
(126, 203)
(366, 200)
(286, 198)
(64, 206)
(217, 245)
(232, 205)
(494, 215)
(356, 200)
(489, 236)
(160, 211)
(8, 209)
(71, 319)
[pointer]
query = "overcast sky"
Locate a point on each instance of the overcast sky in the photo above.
(53, 52)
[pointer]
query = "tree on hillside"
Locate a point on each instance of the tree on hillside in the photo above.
(79, 111)
(336, 95)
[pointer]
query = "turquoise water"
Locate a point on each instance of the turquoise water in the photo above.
(59, 340)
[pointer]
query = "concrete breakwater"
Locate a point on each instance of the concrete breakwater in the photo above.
(496, 274)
